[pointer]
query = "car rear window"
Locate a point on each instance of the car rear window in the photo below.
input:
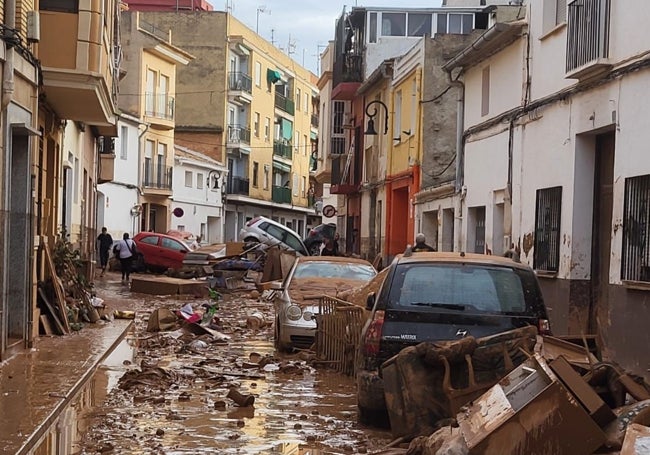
(458, 287)
(334, 270)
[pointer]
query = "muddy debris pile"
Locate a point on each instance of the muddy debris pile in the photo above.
(513, 393)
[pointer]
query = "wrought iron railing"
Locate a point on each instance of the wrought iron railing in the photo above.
(635, 264)
(284, 103)
(238, 134)
(159, 177)
(159, 105)
(240, 81)
(237, 185)
(282, 149)
(281, 194)
(587, 32)
(547, 229)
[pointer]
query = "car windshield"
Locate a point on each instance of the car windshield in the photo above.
(458, 287)
(319, 269)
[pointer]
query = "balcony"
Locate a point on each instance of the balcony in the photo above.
(159, 110)
(238, 135)
(587, 47)
(338, 186)
(157, 179)
(282, 149)
(281, 194)
(237, 185)
(314, 120)
(79, 75)
(284, 104)
(240, 87)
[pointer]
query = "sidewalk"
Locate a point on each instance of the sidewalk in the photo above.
(36, 385)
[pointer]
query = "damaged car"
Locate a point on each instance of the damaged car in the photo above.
(297, 297)
(429, 297)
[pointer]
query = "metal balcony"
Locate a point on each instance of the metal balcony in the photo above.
(239, 81)
(281, 194)
(238, 185)
(157, 177)
(314, 120)
(159, 105)
(285, 104)
(238, 134)
(587, 46)
(282, 149)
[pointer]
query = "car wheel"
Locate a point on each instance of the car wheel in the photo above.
(314, 249)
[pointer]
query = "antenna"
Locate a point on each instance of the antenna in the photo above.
(272, 36)
(260, 9)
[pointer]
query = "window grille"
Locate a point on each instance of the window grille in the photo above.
(635, 264)
(547, 229)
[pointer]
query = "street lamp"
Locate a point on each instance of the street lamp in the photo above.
(213, 183)
(371, 112)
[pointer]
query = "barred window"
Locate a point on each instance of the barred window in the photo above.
(635, 264)
(548, 208)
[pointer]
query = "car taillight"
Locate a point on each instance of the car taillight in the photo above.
(373, 335)
(544, 327)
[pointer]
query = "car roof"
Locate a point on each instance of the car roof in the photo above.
(341, 259)
(460, 257)
(139, 235)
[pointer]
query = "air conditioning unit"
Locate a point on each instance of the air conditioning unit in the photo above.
(33, 27)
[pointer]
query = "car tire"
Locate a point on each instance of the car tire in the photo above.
(314, 249)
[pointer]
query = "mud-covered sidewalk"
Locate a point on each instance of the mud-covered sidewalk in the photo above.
(36, 385)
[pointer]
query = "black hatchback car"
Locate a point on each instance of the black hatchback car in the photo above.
(442, 296)
(317, 236)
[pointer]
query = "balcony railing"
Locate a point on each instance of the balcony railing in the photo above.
(281, 194)
(282, 149)
(314, 120)
(237, 185)
(159, 106)
(337, 146)
(587, 33)
(240, 82)
(159, 177)
(284, 103)
(239, 134)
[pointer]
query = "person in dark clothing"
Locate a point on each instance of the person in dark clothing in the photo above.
(420, 244)
(125, 250)
(331, 247)
(104, 242)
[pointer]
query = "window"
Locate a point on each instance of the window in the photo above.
(419, 24)
(295, 184)
(454, 23)
(587, 33)
(372, 29)
(485, 91)
(414, 106)
(306, 108)
(266, 176)
(635, 264)
(63, 6)
(296, 141)
(397, 117)
(303, 186)
(267, 129)
(304, 144)
(298, 98)
(338, 139)
(149, 146)
(258, 74)
(393, 24)
(124, 143)
(546, 255)
(554, 14)
(256, 124)
(199, 180)
(151, 239)
(150, 95)
(171, 244)
(188, 179)
(256, 169)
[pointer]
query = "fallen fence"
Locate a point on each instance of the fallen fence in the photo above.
(338, 333)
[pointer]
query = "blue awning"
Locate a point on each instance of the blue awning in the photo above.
(273, 76)
(287, 129)
(281, 166)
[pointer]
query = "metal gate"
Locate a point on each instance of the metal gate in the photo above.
(337, 336)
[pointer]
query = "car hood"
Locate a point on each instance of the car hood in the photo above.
(302, 289)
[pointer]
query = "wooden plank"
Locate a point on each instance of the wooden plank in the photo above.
(58, 287)
(45, 323)
(57, 322)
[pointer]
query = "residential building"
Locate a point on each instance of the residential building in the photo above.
(555, 161)
(199, 191)
(247, 104)
(118, 201)
(148, 93)
(169, 5)
(366, 42)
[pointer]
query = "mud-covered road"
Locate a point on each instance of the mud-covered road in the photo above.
(170, 393)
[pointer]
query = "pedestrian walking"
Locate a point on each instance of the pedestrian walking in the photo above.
(104, 242)
(125, 250)
(421, 245)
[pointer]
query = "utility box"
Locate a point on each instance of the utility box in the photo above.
(529, 412)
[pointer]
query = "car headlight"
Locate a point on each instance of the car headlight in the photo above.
(308, 315)
(294, 312)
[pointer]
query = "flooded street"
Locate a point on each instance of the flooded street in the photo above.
(169, 390)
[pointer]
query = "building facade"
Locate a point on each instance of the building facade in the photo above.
(555, 163)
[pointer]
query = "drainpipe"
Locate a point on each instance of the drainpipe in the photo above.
(140, 162)
(8, 70)
(460, 155)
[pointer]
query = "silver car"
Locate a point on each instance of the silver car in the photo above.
(268, 233)
(296, 300)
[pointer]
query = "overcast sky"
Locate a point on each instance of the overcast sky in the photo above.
(309, 24)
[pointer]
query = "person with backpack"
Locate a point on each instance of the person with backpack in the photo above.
(125, 251)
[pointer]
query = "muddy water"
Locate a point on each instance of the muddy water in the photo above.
(297, 409)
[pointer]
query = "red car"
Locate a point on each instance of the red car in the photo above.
(161, 251)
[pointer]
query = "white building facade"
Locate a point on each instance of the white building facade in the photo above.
(198, 188)
(555, 152)
(117, 202)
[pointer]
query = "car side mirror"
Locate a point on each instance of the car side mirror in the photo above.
(370, 301)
